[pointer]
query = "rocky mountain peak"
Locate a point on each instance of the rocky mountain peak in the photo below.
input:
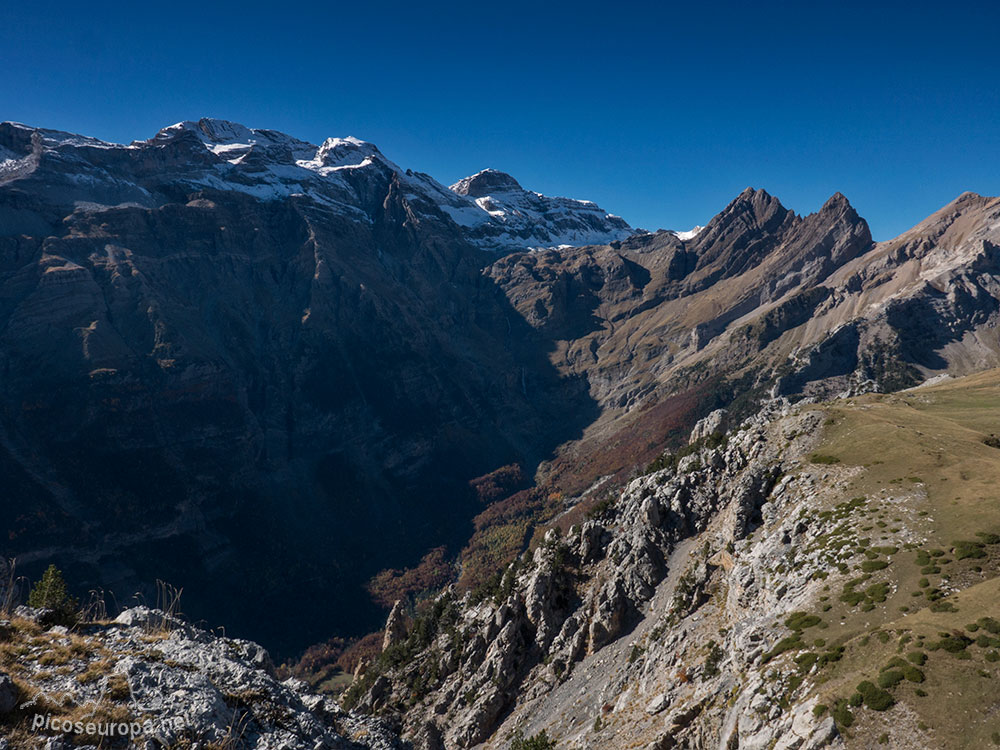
(754, 205)
(232, 140)
(535, 220)
(741, 234)
(486, 182)
(837, 199)
(350, 151)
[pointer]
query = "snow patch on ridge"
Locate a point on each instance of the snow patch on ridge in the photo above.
(689, 234)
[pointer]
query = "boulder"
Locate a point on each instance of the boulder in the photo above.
(9, 694)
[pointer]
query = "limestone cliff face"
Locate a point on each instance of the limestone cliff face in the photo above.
(591, 629)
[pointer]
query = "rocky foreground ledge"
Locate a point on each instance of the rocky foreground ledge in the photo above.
(150, 680)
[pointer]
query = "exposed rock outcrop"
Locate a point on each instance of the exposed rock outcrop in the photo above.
(537, 659)
(168, 682)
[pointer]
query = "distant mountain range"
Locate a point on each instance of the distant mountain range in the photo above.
(266, 370)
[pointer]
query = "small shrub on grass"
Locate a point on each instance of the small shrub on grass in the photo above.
(805, 661)
(870, 566)
(788, 643)
(874, 697)
(917, 657)
(953, 644)
(852, 597)
(989, 625)
(539, 741)
(823, 458)
(894, 663)
(842, 714)
(799, 621)
(969, 550)
(890, 678)
(877, 592)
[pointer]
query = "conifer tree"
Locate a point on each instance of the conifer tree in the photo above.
(50, 593)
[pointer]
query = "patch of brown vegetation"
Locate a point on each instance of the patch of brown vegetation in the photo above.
(501, 532)
(663, 423)
(336, 657)
(433, 572)
(498, 484)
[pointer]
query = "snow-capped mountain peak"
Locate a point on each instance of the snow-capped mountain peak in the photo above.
(490, 208)
(538, 221)
(231, 139)
(486, 182)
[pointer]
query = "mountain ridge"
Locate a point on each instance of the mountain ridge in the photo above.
(270, 165)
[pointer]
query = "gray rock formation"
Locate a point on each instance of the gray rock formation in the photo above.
(395, 626)
(171, 682)
(562, 649)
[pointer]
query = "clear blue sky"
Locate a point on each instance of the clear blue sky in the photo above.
(659, 113)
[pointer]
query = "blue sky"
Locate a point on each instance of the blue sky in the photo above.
(661, 114)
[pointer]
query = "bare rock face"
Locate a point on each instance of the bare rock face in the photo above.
(629, 651)
(713, 423)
